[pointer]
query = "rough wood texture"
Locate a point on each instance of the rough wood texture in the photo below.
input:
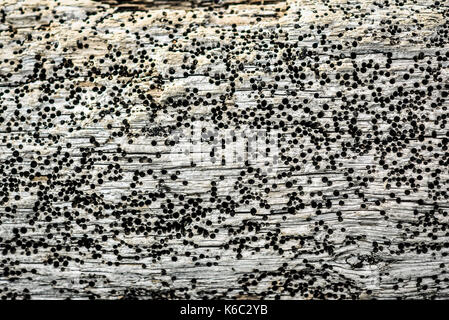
(109, 112)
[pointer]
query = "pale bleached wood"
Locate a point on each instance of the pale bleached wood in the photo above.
(357, 270)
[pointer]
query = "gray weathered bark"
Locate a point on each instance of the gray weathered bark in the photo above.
(99, 200)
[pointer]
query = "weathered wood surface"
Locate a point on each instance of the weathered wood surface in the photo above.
(107, 190)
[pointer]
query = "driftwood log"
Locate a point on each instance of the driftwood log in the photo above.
(224, 149)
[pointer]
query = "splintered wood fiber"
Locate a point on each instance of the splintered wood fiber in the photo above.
(224, 149)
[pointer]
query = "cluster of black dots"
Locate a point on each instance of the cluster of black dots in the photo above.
(357, 95)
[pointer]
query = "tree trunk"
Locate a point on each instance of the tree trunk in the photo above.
(224, 149)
